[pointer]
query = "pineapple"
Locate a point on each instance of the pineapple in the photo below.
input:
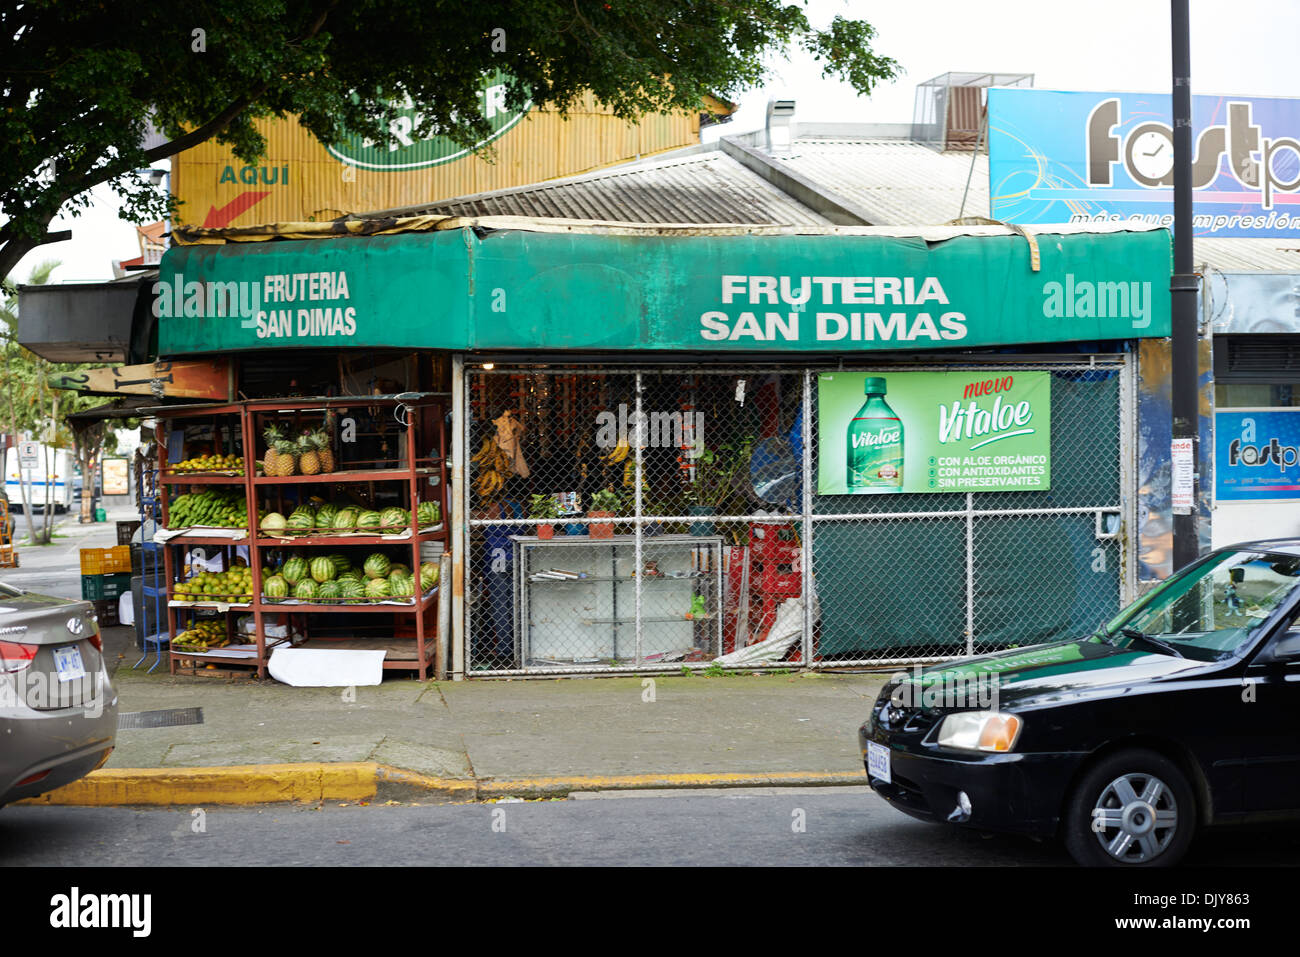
(308, 456)
(288, 457)
(323, 450)
(271, 461)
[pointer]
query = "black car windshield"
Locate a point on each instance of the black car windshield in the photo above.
(1213, 609)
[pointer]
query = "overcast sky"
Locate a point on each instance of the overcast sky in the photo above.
(1243, 47)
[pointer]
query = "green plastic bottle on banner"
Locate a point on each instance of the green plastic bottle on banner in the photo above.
(874, 452)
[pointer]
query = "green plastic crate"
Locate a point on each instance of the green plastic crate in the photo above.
(97, 587)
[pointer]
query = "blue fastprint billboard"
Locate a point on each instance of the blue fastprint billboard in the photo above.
(1071, 157)
(1257, 455)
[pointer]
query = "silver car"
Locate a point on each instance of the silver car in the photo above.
(58, 711)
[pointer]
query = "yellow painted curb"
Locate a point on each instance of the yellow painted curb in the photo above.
(457, 789)
(549, 786)
(236, 784)
(363, 781)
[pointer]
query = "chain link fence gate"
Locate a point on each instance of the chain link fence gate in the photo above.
(639, 520)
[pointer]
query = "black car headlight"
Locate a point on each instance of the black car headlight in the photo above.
(980, 731)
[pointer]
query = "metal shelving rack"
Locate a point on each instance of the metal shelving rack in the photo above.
(610, 582)
(414, 643)
(153, 584)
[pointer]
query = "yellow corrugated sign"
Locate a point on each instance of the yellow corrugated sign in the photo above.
(300, 180)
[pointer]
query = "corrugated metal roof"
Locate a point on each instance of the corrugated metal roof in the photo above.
(197, 235)
(703, 187)
(1247, 255)
(898, 182)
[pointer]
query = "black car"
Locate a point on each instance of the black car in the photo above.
(1182, 712)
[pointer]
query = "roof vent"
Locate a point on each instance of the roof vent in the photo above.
(780, 126)
(951, 109)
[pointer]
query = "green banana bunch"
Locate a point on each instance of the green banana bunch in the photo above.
(222, 508)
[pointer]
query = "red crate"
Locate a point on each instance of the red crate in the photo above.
(775, 578)
(773, 543)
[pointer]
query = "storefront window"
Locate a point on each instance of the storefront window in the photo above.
(1255, 395)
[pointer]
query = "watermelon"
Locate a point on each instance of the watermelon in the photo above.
(377, 565)
(378, 588)
(351, 589)
(346, 519)
(341, 563)
(401, 586)
(397, 568)
(277, 586)
(394, 518)
(352, 573)
(428, 575)
(299, 523)
(330, 591)
(322, 568)
(325, 516)
(429, 513)
(304, 509)
(273, 523)
(306, 589)
(368, 521)
(295, 570)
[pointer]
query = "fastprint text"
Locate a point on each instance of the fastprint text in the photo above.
(798, 291)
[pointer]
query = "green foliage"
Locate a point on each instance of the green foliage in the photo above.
(83, 83)
(543, 508)
(716, 472)
(606, 500)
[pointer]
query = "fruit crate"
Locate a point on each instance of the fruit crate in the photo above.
(106, 561)
(106, 612)
(96, 587)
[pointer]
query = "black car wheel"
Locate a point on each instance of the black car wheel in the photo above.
(1132, 809)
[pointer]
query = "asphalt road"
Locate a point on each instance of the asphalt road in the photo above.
(55, 569)
(841, 826)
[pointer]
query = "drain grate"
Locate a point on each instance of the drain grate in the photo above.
(169, 718)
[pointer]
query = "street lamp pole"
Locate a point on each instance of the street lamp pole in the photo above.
(1183, 287)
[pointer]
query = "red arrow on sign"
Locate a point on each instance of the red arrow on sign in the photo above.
(232, 210)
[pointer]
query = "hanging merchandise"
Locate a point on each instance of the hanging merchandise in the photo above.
(510, 436)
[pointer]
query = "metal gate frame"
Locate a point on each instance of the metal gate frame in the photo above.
(807, 519)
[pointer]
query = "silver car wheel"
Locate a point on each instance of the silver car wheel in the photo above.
(1135, 817)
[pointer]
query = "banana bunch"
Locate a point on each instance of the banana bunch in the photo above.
(215, 507)
(493, 467)
(619, 453)
(202, 636)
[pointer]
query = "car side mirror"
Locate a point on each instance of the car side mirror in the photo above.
(1285, 650)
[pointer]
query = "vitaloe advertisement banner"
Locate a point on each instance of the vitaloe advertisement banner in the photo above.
(883, 432)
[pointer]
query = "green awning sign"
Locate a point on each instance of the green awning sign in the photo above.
(484, 288)
(408, 151)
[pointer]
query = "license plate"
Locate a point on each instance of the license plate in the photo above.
(878, 761)
(67, 661)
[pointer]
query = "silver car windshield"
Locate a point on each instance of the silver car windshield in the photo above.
(1215, 608)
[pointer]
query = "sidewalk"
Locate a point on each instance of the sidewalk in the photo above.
(55, 569)
(478, 739)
